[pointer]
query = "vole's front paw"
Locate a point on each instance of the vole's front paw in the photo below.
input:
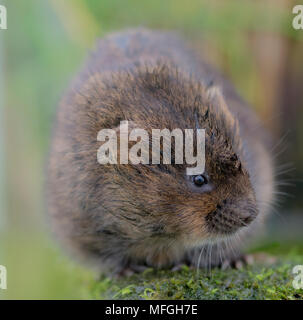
(130, 270)
(248, 259)
(237, 263)
(180, 266)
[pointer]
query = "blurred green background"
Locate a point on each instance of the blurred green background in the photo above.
(251, 41)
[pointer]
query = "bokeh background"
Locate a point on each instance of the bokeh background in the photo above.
(251, 41)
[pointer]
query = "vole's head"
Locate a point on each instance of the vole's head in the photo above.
(220, 201)
(159, 202)
(226, 183)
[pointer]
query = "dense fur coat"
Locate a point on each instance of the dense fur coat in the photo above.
(121, 215)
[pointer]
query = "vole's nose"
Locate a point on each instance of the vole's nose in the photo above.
(248, 211)
(247, 215)
(244, 211)
(229, 216)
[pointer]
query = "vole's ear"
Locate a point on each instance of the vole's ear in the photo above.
(213, 92)
(216, 99)
(222, 116)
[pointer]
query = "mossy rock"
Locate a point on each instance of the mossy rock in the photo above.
(257, 281)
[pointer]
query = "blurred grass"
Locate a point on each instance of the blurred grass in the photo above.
(44, 45)
(37, 270)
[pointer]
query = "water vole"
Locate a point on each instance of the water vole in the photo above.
(124, 215)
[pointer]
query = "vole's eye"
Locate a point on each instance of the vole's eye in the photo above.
(199, 180)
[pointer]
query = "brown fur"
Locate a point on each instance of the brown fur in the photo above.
(119, 215)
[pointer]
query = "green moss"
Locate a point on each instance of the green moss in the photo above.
(252, 282)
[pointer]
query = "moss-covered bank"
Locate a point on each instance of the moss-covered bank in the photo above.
(257, 281)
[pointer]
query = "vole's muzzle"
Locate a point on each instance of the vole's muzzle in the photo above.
(229, 216)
